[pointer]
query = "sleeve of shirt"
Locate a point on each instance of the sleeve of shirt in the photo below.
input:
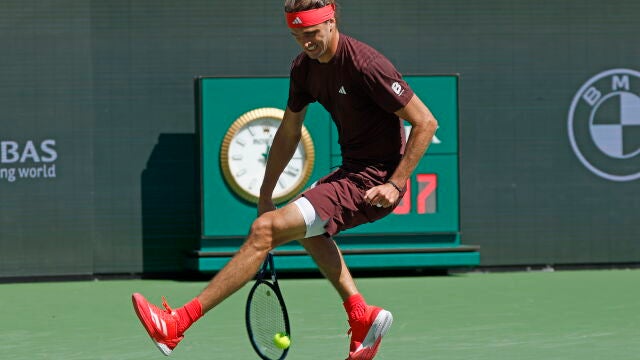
(299, 97)
(385, 85)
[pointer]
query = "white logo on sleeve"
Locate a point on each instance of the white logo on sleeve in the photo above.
(342, 91)
(397, 88)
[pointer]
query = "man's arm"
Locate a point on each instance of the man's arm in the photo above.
(282, 149)
(423, 127)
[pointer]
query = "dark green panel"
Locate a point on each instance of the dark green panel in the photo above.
(224, 213)
(437, 212)
(422, 232)
(440, 94)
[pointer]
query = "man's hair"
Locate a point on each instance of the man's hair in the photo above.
(303, 5)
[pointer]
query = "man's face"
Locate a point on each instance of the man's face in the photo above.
(315, 40)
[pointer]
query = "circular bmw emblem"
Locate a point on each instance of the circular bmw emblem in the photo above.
(604, 124)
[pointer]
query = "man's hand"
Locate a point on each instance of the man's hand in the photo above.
(384, 195)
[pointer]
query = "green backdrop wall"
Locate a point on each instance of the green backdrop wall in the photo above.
(99, 97)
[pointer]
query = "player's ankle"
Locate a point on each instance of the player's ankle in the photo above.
(355, 306)
(188, 314)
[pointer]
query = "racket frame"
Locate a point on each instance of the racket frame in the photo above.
(262, 277)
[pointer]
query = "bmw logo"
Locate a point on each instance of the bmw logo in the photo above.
(604, 124)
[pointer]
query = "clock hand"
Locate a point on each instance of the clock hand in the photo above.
(265, 155)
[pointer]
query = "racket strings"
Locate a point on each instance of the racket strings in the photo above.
(266, 319)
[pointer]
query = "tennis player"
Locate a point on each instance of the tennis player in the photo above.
(367, 99)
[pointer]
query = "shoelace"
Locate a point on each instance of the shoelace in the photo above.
(166, 305)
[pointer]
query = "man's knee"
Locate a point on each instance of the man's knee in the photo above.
(262, 231)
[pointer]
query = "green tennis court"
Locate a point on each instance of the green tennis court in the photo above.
(522, 315)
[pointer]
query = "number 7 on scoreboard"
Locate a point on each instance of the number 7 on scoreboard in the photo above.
(426, 197)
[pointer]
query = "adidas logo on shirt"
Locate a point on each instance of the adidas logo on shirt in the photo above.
(342, 91)
(296, 21)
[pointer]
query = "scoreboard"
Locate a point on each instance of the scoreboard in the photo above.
(423, 231)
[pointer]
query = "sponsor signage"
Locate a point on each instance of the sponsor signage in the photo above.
(28, 159)
(604, 124)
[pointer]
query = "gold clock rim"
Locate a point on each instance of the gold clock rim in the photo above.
(239, 123)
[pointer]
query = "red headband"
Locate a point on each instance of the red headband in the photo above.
(311, 17)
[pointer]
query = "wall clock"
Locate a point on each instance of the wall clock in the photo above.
(244, 152)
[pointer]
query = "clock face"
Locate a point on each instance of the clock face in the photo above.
(245, 150)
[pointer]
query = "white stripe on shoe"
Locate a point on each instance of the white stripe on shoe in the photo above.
(369, 347)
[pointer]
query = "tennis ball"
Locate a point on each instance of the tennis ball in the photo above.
(282, 341)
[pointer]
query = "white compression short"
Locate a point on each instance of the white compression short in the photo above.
(315, 225)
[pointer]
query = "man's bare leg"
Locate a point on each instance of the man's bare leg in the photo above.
(167, 326)
(366, 321)
(270, 230)
(330, 261)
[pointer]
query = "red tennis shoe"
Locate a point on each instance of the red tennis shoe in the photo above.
(161, 324)
(367, 332)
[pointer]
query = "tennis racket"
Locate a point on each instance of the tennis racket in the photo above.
(266, 314)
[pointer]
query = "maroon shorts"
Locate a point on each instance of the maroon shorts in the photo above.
(339, 196)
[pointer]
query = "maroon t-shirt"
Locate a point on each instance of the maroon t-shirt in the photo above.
(361, 90)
